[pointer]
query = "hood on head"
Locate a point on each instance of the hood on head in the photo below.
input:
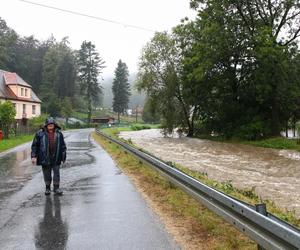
(50, 120)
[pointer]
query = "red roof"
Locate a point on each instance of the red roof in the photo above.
(8, 78)
(12, 79)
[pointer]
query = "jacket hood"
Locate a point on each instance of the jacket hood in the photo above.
(50, 120)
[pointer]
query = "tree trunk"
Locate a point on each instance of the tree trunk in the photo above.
(89, 110)
(275, 126)
(119, 117)
(190, 131)
(287, 129)
(294, 126)
(187, 118)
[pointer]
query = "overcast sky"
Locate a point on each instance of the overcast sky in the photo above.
(113, 41)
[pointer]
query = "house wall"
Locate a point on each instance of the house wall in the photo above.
(14, 89)
(26, 92)
(28, 107)
(20, 91)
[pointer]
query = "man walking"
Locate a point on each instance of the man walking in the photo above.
(49, 150)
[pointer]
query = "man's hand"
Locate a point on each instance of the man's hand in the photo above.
(33, 160)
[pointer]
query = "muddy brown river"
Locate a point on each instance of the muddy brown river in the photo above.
(274, 174)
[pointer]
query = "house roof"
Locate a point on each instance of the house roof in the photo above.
(13, 79)
(8, 78)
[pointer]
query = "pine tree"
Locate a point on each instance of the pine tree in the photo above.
(90, 66)
(121, 89)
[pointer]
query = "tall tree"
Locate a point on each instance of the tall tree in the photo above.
(59, 76)
(90, 65)
(121, 89)
(8, 41)
(245, 50)
(160, 75)
(67, 109)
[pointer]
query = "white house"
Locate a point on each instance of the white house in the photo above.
(20, 93)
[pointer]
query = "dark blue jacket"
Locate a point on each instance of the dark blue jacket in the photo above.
(40, 148)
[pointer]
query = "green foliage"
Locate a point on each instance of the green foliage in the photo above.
(66, 109)
(298, 132)
(276, 142)
(37, 122)
(252, 130)
(59, 74)
(231, 70)
(90, 65)
(8, 43)
(121, 89)
(136, 127)
(7, 117)
(160, 75)
(50, 67)
(150, 112)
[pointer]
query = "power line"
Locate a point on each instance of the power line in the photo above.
(88, 16)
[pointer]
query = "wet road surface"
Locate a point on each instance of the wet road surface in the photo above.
(274, 174)
(100, 208)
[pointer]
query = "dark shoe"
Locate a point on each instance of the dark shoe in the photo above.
(47, 191)
(58, 191)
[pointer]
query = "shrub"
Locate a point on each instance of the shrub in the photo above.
(298, 132)
(37, 122)
(253, 130)
(137, 127)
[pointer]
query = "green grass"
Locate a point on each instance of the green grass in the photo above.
(246, 195)
(275, 142)
(14, 141)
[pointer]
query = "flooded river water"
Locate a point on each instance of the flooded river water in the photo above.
(274, 174)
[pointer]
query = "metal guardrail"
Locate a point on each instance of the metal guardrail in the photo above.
(268, 231)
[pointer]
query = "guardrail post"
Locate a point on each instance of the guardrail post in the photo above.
(262, 209)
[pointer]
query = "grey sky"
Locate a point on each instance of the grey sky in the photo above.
(113, 41)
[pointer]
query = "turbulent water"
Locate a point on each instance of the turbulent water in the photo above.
(274, 174)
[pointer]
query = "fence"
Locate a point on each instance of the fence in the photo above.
(268, 231)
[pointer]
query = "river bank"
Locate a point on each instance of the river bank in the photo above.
(272, 174)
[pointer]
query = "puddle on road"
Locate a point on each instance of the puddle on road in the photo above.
(274, 174)
(15, 170)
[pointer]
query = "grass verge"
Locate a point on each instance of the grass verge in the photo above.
(14, 141)
(246, 195)
(192, 225)
(275, 142)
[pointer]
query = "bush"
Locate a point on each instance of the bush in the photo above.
(298, 132)
(139, 127)
(37, 122)
(252, 131)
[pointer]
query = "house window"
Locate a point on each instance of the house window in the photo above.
(15, 106)
(33, 109)
(22, 91)
(24, 108)
(26, 90)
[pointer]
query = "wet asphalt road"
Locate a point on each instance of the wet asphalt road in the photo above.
(100, 208)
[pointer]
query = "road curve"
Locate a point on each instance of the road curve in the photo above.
(100, 208)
